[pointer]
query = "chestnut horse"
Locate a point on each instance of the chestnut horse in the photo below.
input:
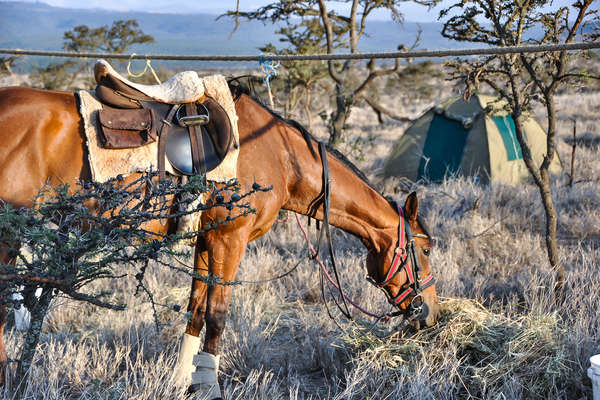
(42, 143)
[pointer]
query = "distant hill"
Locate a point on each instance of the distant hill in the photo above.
(40, 26)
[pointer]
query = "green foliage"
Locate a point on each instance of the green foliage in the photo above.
(54, 76)
(6, 64)
(302, 37)
(114, 39)
(75, 236)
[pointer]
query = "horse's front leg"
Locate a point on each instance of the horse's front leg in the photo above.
(224, 254)
(190, 343)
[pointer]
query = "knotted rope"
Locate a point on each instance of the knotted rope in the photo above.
(146, 67)
(269, 70)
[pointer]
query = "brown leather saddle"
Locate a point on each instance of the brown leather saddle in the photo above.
(194, 137)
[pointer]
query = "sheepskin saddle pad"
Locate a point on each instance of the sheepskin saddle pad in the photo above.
(186, 125)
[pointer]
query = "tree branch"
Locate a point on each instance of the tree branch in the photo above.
(379, 109)
(329, 36)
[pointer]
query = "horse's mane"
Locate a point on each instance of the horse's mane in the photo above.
(238, 88)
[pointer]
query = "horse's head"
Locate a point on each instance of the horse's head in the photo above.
(402, 268)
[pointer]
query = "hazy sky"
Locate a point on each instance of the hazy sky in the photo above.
(411, 11)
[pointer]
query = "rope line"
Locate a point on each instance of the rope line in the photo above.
(319, 57)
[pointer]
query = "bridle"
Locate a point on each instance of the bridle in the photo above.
(405, 258)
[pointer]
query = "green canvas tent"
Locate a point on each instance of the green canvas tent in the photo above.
(475, 138)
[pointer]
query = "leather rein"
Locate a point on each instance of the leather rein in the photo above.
(405, 258)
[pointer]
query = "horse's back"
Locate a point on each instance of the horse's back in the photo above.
(40, 142)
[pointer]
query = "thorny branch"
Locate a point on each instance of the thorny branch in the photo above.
(74, 236)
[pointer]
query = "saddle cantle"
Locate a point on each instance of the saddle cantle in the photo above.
(194, 136)
(183, 87)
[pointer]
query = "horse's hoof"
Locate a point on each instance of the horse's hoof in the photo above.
(195, 394)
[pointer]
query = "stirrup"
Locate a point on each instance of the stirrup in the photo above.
(191, 120)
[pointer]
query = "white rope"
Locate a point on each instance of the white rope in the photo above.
(144, 70)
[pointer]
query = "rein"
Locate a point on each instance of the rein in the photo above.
(326, 200)
(315, 256)
(405, 258)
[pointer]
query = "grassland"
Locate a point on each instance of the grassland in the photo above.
(501, 334)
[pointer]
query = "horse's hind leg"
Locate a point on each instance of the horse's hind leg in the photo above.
(190, 343)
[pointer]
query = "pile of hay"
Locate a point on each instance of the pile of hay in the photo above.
(479, 353)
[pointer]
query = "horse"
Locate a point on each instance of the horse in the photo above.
(42, 142)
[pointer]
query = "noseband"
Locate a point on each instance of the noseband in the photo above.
(405, 258)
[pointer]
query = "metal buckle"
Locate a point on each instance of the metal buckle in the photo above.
(191, 120)
(416, 309)
(400, 250)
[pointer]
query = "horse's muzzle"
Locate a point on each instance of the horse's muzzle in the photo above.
(421, 315)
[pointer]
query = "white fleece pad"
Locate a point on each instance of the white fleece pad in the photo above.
(183, 87)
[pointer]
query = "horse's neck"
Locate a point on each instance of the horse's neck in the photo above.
(276, 152)
(355, 207)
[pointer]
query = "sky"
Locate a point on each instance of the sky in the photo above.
(412, 11)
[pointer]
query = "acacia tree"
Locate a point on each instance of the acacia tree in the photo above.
(100, 232)
(340, 32)
(6, 64)
(300, 76)
(525, 78)
(114, 39)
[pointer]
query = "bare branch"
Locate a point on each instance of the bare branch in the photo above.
(379, 109)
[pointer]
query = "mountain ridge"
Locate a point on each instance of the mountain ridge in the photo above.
(183, 34)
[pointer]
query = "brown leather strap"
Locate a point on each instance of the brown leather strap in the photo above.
(195, 132)
(162, 141)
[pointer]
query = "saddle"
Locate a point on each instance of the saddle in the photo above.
(194, 132)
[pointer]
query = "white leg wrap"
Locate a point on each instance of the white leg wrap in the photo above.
(205, 378)
(184, 368)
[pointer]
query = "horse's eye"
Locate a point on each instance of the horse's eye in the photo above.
(426, 252)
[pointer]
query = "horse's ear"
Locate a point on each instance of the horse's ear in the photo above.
(411, 207)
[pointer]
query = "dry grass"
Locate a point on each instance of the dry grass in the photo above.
(500, 336)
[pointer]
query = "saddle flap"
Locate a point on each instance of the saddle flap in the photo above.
(219, 127)
(215, 138)
(126, 128)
